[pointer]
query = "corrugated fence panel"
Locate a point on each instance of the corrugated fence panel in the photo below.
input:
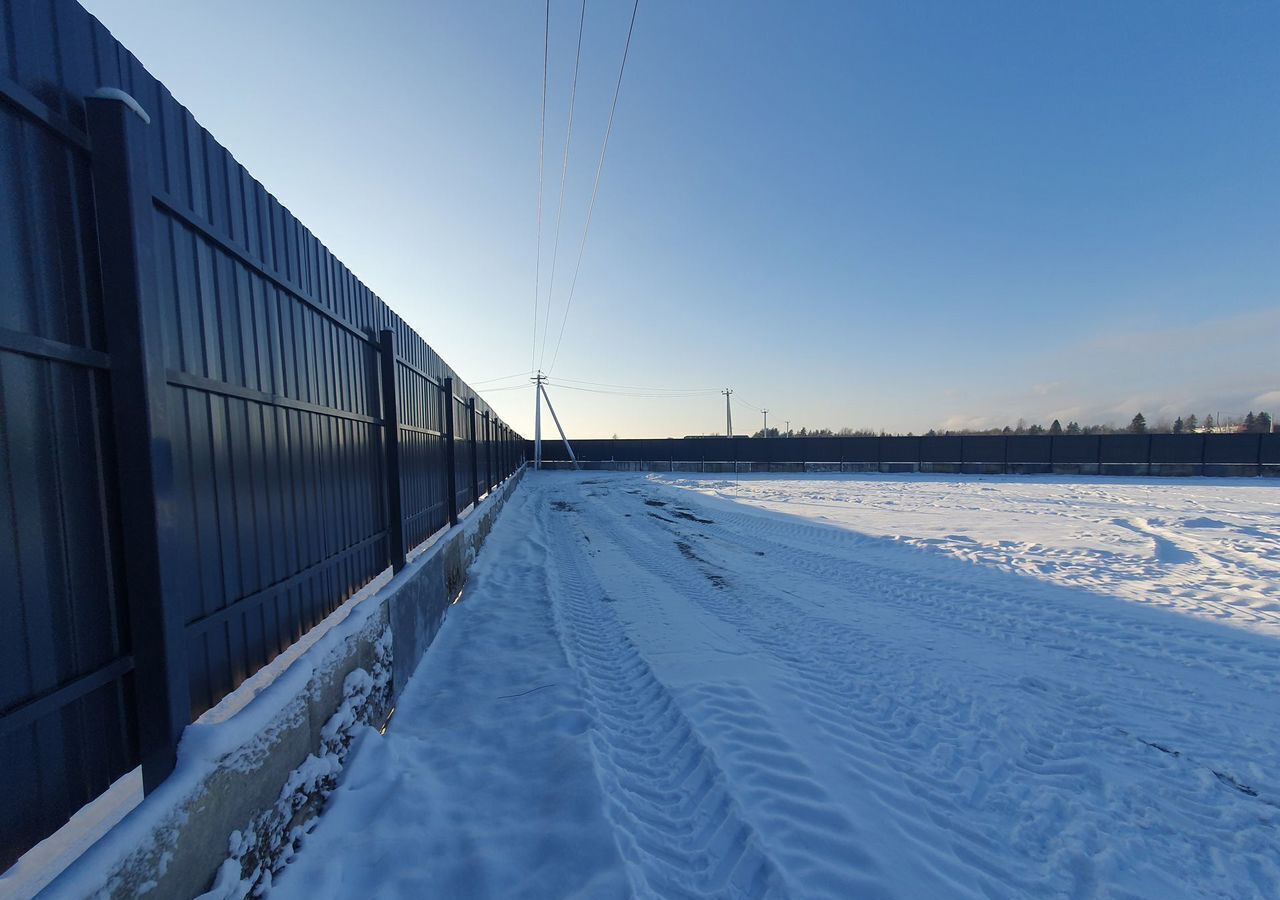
(983, 449)
(1225, 449)
(817, 450)
(1177, 448)
(1039, 451)
(1271, 449)
(274, 395)
(1074, 449)
(941, 449)
(1125, 448)
(592, 450)
(1032, 448)
(462, 453)
(422, 478)
(900, 449)
(255, 370)
(861, 449)
(66, 695)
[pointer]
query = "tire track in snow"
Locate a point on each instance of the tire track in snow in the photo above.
(818, 847)
(853, 685)
(1232, 736)
(1017, 620)
(676, 822)
(1217, 580)
(855, 708)
(827, 554)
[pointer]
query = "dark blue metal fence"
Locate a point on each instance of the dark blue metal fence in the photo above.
(1129, 454)
(194, 463)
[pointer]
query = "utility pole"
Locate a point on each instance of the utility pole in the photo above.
(766, 422)
(540, 394)
(537, 418)
(545, 396)
(728, 414)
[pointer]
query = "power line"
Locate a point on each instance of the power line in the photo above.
(595, 189)
(635, 389)
(564, 171)
(624, 391)
(639, 387)
(636, 394)
(502, 378)
(542, 139)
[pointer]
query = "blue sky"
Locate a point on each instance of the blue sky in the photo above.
(889, 215)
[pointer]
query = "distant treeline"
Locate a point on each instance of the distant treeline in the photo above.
(1192, 424)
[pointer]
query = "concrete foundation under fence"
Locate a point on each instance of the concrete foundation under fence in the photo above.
(249, 775)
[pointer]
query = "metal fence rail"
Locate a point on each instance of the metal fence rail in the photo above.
(195, 461)
(1118, 454)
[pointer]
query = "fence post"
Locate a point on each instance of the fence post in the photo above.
(144, 464)
(391, 445)
(475, 463)
(488, 450)
(450, 452)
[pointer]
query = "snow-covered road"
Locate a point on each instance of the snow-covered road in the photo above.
(955, 687)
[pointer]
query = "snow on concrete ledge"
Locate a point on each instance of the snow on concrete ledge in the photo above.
(253, 776)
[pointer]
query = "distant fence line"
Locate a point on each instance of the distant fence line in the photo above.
(1107, 454)
(195, 460)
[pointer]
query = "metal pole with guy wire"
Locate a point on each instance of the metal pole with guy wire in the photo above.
(567, 446)
(537, 419)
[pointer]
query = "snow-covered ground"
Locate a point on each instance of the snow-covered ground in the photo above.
(1206, 546)
(916, 686)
